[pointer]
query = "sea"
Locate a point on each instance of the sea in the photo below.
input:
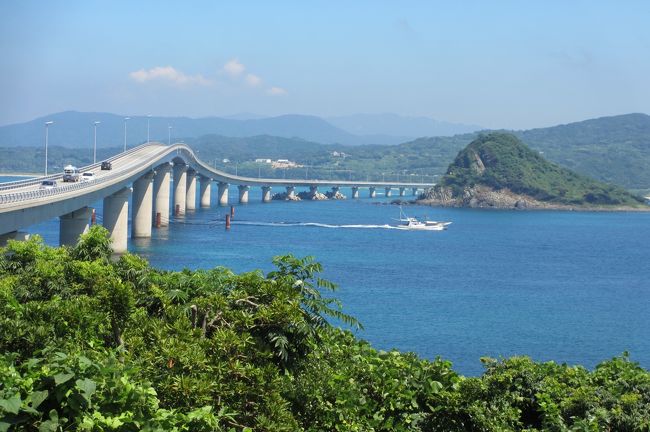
(568, 287)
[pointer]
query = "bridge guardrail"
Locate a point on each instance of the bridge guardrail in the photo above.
(125, 170)
(37, 180)
(41, 193)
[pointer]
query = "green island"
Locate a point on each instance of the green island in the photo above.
(497, 170)
(91, 342)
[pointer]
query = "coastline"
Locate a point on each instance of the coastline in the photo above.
(617, 209)
(547, 207)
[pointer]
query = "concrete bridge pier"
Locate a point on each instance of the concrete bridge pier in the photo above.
(13, 235)
(180, 188)
(161, 185)
(72, 225)
(205, 188)
(266, 194)
(372, 192)
(116, 218)
(313, 190)
(243, 194)
(190, 195)
(415, 191)
(291, 192)
(388, 191)
(223, 193)
(142, 202)
(402, 191)
(335, 190)
(355, 192)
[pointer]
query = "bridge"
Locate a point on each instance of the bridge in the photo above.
(144, 174)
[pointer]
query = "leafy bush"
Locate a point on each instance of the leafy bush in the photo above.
(90, 343)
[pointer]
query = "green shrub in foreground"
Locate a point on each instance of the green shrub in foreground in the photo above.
(87, 343)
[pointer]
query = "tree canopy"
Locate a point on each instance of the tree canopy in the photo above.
(90, 342)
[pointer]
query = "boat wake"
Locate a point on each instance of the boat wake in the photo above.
(312, 224)
(434, 226)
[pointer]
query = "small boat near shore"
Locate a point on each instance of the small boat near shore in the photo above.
(412, 223)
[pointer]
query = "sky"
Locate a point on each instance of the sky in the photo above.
(498, 64)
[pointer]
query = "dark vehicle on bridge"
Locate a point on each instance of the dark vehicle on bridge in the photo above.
(107, 166)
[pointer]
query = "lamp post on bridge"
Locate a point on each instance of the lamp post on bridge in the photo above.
(95, 145)
(125, 120)
(47, 124)
(148, 118)
(169, 136)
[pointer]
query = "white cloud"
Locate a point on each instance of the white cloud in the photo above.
(234, 68)
(253, 80)
(168, 73)
(237, 71)
(276, 91)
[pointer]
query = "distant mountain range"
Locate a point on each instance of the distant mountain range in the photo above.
(611, 149)
(397, 125)
(75, 129)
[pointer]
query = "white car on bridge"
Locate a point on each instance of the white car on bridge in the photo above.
(88, 176)
(48, 184)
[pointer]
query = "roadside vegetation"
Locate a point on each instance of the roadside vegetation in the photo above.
(92, 343)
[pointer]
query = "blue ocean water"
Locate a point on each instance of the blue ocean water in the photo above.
(565, 286)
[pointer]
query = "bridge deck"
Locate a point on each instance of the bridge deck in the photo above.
(23, 202)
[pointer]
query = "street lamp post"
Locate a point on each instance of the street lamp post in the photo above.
(95, 145)
(169, 137)
(125, 120)
(47, 123)
(148, 118)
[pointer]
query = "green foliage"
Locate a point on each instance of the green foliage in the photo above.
(501, 161)
(93, 245)
(53, 392)
(92, 344)
(347, 385)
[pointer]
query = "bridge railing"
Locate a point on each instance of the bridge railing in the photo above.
(41, 193)
(37, 180)
(8, 198)
(67, 187)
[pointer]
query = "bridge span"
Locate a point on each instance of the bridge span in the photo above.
(144, 173)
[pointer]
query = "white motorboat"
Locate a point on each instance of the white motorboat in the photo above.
(412, 223)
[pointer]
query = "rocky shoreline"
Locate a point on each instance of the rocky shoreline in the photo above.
(308, 196)
(483, 197)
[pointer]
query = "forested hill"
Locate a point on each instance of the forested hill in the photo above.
(501, 161)
(611, 149)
